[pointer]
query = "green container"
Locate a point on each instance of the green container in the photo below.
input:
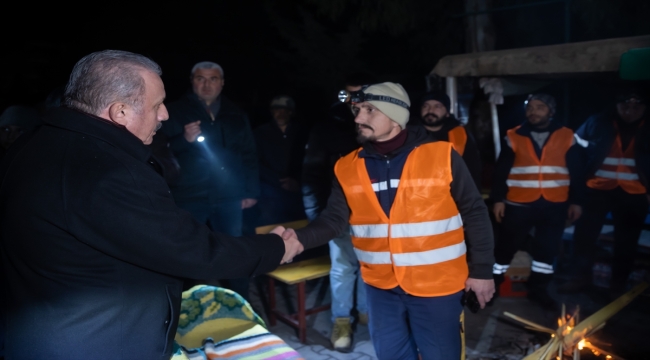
(635, 64)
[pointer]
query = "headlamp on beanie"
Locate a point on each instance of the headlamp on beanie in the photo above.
(545, 98)
(360, 96)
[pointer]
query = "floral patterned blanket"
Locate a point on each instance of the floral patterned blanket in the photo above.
(217, 323)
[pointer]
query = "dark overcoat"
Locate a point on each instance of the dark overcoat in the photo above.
(94, 249)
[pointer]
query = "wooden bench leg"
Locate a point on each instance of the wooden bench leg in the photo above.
(272, 304)
(302, 321)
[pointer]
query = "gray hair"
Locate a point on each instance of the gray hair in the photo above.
(105, 77)
(207, 65)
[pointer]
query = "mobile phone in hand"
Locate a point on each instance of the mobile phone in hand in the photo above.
(470, 300)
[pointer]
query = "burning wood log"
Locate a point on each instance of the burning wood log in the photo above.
(571, 335)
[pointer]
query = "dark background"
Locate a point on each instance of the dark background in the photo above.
(302, 48)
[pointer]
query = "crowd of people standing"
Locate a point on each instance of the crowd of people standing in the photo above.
(397, 201)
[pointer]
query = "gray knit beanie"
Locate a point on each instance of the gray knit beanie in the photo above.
(395, 112)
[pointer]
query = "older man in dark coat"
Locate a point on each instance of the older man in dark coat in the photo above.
(93, 247)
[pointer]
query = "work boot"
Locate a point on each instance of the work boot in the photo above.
(537, 285)
(363, 318)
(342, 335)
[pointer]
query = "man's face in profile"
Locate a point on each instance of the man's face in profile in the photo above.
(146, 120)
(207, 84)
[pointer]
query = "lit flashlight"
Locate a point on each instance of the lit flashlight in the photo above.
(200, 138)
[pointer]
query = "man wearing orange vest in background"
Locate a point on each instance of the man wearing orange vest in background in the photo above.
(618, 182)
(444, 126)
(538, 183)
(419, 227)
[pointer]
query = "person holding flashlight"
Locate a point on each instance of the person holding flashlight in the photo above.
(213, 143)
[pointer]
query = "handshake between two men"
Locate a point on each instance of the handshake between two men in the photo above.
(292, 246)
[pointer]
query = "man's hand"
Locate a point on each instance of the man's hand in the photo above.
(278, 231)
(192, 131)
(246, 203)
(574, 213)
(499, 210)
(484, 289)
(290, 184)
(292, 246)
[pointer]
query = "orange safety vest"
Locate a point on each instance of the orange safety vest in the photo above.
(458, 138)
(618, 169)
(530, 177)
(421, 245)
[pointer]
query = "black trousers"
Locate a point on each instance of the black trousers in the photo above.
(518, 221)
(628, 213)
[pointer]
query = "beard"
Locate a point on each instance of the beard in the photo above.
(431, 119)
(364, 138)
(539, 121)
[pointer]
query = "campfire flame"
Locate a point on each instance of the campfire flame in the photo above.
(571, 335)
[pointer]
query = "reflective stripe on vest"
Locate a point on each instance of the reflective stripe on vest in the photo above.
(537, 184)
(616, 175)
(420, 246)
(539, 169)
(458, 138)
(618, 169)
(531, 177)
(414, 258)
(407, 230)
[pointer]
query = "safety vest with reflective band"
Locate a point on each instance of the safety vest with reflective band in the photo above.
(420, 246)
(531, 177)
(458, 138)
(618, 169)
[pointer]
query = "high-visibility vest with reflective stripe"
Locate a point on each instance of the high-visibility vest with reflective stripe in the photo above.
(531, 177)
(458, 138)
(618, 169)
(420, 246)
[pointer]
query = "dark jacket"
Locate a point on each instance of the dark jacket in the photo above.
(280, 153)
(472, 208)
(575, 161)
(471, 154)
(600, 131)
(328, 142)
(94, 249)
(224, 166)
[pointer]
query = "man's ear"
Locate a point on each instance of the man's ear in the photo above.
(117, 112)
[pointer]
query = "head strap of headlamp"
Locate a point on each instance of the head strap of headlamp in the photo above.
(360, 96)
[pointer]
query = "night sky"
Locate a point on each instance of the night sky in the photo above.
(301, 48)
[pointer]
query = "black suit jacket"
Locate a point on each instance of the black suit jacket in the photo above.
(94, 248)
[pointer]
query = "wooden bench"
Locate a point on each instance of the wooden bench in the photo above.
(296, 273)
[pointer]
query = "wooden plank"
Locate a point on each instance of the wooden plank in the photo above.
(265, 229)
(572, 58)
(303, 270)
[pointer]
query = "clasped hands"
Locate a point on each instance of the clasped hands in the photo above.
(292, 246)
